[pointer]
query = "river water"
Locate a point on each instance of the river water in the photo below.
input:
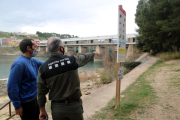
(6, 61)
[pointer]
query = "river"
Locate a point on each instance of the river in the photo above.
(7, 60)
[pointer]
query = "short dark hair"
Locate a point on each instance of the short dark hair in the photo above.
(24, 43)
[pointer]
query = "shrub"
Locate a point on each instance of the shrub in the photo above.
(106, 77)
(131, 65)
(105, 80)
(125, 70)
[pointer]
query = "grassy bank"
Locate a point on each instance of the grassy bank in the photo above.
(136, 98)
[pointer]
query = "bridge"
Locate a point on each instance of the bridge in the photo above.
(86, 44)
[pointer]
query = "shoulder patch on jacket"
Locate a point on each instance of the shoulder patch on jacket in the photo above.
(58, 64)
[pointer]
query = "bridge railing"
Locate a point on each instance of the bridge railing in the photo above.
(8, 103)
(128, 43)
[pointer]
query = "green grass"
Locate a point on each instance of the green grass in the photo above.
(138, 96)
(102, 115)
(177, 70)
(168, 107)
(175, 82)
(142, 111)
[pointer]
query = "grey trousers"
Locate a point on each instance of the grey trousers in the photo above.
(72, 111)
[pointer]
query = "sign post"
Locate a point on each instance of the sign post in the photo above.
(121, 51)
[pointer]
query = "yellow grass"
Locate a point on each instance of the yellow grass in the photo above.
(169, 56)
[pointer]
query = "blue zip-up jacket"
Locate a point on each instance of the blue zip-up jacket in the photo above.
(22, 82)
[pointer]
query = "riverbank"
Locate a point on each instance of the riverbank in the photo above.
(3, 86)
(9, 51)
(90, 81)
(17, 53)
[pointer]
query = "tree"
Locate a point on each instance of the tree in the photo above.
(158, 23)
(172, 25)
(4, 35)
(48, 35)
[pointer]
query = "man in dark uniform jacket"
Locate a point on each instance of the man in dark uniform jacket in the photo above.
(59, 77)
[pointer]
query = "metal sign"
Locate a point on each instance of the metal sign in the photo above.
(37, 42)
(120, 72)
(121, 46)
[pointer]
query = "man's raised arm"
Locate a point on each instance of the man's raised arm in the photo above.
(83, 59)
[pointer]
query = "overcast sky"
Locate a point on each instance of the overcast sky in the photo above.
(76, 17)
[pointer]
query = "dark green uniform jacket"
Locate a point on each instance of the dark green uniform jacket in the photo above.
(59, 76)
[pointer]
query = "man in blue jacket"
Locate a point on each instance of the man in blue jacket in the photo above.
(22, 82)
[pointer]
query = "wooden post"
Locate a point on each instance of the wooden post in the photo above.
(121, 51)
(118, 87)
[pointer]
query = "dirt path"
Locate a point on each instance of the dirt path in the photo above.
(166, 83)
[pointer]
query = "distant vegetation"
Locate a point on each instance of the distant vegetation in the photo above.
(48, 35)
(41, 36)
(159, 25)
(4, 35)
